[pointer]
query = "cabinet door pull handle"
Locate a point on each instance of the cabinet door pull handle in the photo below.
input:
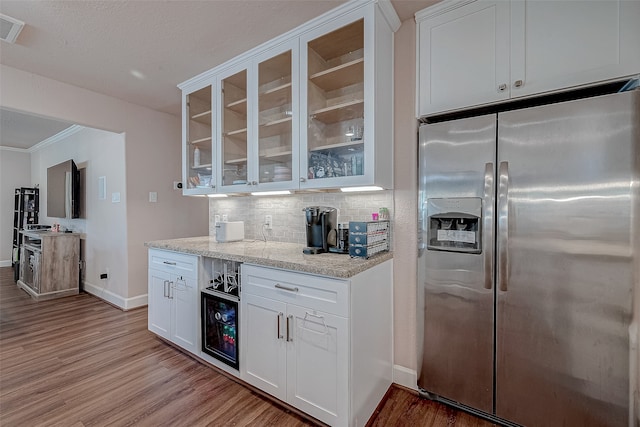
(286, 288)
(303, 179)
(170, 287)
(280, 316)
(518, 83)
(164, 293)
(168, 262)
(289, 337)
(502, 87)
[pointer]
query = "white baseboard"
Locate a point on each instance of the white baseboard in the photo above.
(405, 377)
(5, 263)
(115, 299)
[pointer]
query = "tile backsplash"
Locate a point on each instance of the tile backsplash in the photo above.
(288, 218)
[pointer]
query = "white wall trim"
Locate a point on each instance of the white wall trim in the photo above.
(5, 263)
(19, 150)
(55, 138)
(405, 377)
(439, 9)
(390, 15)
(117, 300)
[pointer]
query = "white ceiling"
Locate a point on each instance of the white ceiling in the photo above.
(100, 44)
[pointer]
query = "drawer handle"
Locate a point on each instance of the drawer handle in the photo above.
(168, 262)
(286, 288)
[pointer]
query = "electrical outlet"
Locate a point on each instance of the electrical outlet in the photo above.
(216, 219)
(225, 218)
(268, 221)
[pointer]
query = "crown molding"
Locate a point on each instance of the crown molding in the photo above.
(56, 138)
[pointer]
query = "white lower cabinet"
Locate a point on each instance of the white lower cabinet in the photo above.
(173, 298)
(301, 336)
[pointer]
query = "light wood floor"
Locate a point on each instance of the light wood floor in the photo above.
(77, 361)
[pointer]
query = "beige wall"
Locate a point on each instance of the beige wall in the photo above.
(405, 194)
(15, 170)
(103, 224)
(152, 153)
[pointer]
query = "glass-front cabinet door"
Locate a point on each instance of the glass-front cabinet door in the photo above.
(198, 155)
(277, 120)
(234, 132)
(335, 107)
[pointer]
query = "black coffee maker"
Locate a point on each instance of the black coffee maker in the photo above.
(320, 222)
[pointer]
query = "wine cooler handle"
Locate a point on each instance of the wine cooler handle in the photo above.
(503, 226)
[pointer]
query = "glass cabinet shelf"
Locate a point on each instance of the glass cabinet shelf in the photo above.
(340, 112)
(340, 76)
(239, 106)
(201, 140)
(237, 132)
(204, 117)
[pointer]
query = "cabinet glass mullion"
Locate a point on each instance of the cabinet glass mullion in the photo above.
(234, 129)
(199, 143)
(335, 103)
(275, 119)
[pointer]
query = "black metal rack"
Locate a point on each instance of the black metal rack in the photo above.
(25, 213)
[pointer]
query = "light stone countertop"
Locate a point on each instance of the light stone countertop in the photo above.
(287, 256)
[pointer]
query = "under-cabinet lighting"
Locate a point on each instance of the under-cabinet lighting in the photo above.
(216, 195)
(354, 189)
(271, 193)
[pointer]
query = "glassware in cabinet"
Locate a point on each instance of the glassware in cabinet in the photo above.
(275, 119)
(335, 103)
(233, 130)
(198, 140)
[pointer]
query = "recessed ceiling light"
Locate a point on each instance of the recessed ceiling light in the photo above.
(137, 74)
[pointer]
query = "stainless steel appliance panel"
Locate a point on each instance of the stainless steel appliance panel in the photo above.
(565, 261)
(455, 302)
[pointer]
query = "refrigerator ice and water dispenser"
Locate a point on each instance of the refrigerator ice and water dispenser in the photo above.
(454, 224)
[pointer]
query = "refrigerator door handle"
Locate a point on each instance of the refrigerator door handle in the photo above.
(487, 226)
(503, 225)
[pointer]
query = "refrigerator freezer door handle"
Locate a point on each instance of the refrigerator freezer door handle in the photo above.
(503, 225)
(487, 239)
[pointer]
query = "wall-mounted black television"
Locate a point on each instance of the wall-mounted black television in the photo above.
(63, 190)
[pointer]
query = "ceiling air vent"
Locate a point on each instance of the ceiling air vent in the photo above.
(9, 28)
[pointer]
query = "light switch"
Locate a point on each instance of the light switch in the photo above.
(115, 197)
(153, 196)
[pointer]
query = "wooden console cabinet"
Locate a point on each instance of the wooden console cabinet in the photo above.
(49, 266)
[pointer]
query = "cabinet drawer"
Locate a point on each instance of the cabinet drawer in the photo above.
(317, 293)
(173, 262)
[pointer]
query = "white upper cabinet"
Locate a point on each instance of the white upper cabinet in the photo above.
(277, 115)
(463, 55)
(198, 149)
(234, 128)
(474, 53)
(346, 102)
(310, 109)
(560, 44)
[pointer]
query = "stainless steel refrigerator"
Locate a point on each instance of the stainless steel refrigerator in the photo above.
(528, 261)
